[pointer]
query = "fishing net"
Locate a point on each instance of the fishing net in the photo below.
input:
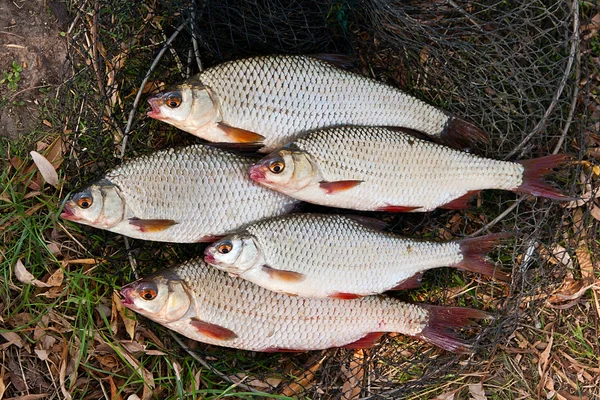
(510, 67)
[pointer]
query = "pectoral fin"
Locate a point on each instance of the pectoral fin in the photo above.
(390, 208)
(338, 186)
(151, 225)
(213, 331)
(283, 275)
(344, 296)
(239, 135)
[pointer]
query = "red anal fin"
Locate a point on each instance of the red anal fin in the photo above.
(462, 202)
(213, 331)
(533, 176)
(338, 186)
(365, 342)
(283, 275)
(209, 239)
(390, 208)
(344, 296)
(413, 282)
(152, 225)
(239, 135)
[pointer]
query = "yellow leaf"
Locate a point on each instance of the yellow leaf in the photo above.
(45, 167)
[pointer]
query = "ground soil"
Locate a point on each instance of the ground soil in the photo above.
(30, 35)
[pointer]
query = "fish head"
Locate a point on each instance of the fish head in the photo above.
(161, 297)
(99, 205)
(188, 107)
(234, 254)
(287, 170)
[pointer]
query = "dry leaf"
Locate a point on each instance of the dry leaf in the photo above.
(354, 375)
(303, 382)
(114, 391)
(446, 396)
(30, 397)
(134, 397)
(2, 385)
(595, 212)
(45, 167)
(42, 354)
(25, 276)
(56, 279)
(127, 316)
(477, 392)
(54, 249)
(11, 338)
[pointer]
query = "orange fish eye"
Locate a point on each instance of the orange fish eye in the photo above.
(84, 202)
(277, 167)
(173, 101)
(148, 294)
(224, 248)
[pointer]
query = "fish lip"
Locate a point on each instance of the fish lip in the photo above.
(68, 214)
(126, 297)
(256, 173)
(208, 257)
(155, 112)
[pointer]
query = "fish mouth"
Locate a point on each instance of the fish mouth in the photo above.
(126, 296)
(68, 214)
(257, 173)
(155, 112)
(209, 258)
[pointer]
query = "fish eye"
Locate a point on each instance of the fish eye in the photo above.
(277, 166)
(173, 100)
(84, 202)
(224, 248)
(148, 294)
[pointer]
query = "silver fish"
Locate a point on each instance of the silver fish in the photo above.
(191, 194)
(313, 255)
(270, 100)
(375, 168)
(209, 306)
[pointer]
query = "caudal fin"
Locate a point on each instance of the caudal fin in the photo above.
(461, 134)
(535, 169)
(443, 323)
(474, 250)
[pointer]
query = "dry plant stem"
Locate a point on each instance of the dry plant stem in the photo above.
(195, 42)
(500, 217)
(563, 82)
(210, 367)
(140, 90)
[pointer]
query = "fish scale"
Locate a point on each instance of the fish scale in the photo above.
(204, 191)
(318, 255)
(281, 96)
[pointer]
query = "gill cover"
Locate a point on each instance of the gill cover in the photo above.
(99, 205)
(234, 254)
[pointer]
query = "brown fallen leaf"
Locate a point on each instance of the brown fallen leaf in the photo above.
(127, 316)
(11, 338)
(56, 279)
(114, 391)
(304, 381)
(46, 168)
(26, 277)
(446, 395)
(30, 397)
(354, 374)
(477, 392)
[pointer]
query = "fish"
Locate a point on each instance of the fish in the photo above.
(264, 102)
(191, 194)
(209, 306)
(382, 169)
(344, 257)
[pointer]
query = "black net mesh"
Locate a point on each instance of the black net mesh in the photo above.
(510, 67)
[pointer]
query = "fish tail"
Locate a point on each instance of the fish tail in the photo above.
(461, 134)
(474, 250)
(443, 321)
(534, 172)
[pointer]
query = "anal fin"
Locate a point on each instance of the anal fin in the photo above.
(338, 186)
(462, 202)
(413, 282)
(283, 275)
(365, 342)
(344, 296)
(151, 225)
(239, 135)
(213, 331)
(391, 208)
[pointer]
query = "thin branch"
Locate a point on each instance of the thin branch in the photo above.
(501, 216)
(146, 78)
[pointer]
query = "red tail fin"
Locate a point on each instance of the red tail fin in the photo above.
(461, 134)
(474, 251)
(442, 323)
(535, 169)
